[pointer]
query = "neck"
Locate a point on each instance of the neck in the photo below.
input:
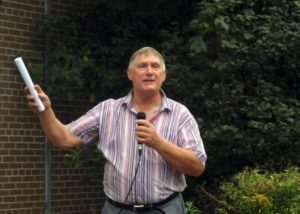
(148, 103)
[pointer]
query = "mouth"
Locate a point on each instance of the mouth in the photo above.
(148, 80)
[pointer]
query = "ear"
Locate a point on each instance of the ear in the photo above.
(129, 74)
(164, 75)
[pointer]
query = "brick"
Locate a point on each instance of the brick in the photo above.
(23, 186)
(28, 179)
(35, 185)
(4, 179)
(9, 145)
(22, 146)
(28, 204)
(15, 138)
(15, 165)
(21, 158)
(7, 24)
(16, 205)
(15, 152)
(27, 165)
(4, 206)
(15, 179)
(28, 191)
(3, 139)
(28, 139)
(8, 186)
(7, 159)
(21, 137)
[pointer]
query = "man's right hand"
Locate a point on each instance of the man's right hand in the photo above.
(56, 131)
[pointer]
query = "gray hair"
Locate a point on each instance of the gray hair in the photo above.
(146, 51)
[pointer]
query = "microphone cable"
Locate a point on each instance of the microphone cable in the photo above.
(131, 185)
(132, 182)
(140, 115)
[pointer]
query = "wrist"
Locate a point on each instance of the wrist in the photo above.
(159, 144)
(46, 113)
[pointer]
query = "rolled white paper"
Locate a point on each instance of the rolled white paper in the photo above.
(26, 77)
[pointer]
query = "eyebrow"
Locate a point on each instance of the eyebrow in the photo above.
(151, 63)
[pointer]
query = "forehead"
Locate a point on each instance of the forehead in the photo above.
(145, 57)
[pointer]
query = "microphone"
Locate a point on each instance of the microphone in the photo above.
(140, 116)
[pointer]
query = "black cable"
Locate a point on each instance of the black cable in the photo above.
(131, 185)
(132, 182)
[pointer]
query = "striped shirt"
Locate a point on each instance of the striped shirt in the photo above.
(112, 124)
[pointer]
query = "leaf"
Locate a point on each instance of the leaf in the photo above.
(220, 21)
(198, 44)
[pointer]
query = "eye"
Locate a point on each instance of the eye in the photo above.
(156, 66)
(142, 65)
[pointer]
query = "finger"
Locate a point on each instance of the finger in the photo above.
(141, 138)
(41, 93)
(31, 104)
(26, 90)
(38, 88)
(141, 129)
(29, 97)
(142, 123)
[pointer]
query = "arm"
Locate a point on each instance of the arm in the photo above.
(183, 160)
(57, 132)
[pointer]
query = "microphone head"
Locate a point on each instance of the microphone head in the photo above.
(141, 116)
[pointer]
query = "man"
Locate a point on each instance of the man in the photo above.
(148, 180)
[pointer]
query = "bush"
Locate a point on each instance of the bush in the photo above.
(190, 208)
(254, 192)
(245, 68)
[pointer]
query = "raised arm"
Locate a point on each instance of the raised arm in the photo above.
(55, 130)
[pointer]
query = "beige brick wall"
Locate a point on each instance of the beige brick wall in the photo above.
(22, 141)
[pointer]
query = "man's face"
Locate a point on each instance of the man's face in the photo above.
(146, 73)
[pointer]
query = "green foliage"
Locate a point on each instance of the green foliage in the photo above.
(190, 208)
(252, 191)
(88, 53)
(249, 97)
(241, 75)
(89, 157)
(89, 50)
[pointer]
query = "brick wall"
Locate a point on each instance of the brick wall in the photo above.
(22, 143)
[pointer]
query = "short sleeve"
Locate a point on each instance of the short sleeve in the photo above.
(86, 127)
(190, 138)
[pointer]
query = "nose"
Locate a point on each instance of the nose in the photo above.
(149, 70)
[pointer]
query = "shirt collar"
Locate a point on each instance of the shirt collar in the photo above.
(127, 101)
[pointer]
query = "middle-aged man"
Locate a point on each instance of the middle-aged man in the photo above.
(146, 158)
